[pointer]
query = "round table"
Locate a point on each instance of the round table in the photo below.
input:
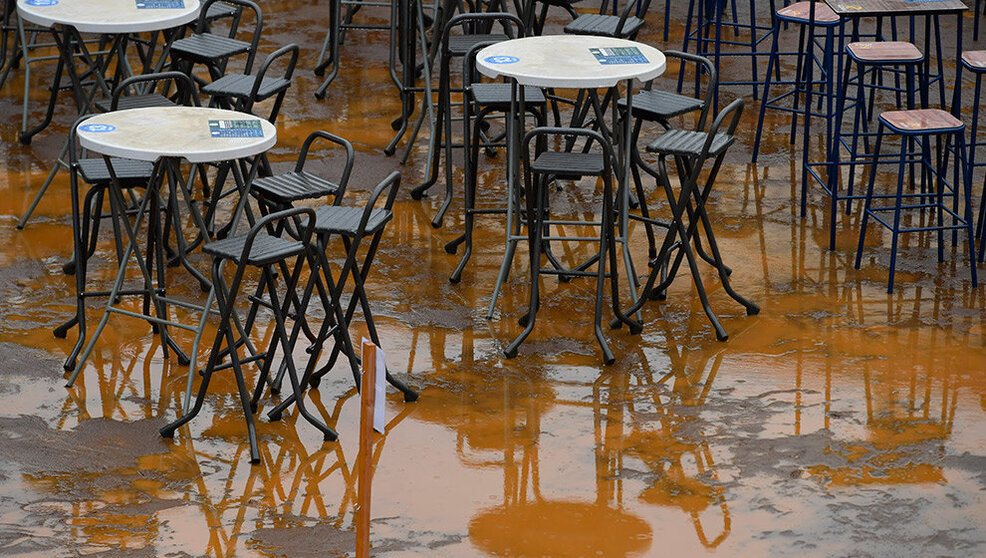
(165, 136)
(148, 134)
(109, 16)
(116, 18)
(568, 62)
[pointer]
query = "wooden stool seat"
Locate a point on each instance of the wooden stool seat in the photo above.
(921, 121)
(975, 60)
(885, 52)
(801, 13)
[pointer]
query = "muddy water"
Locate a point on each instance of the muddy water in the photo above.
(841, 421)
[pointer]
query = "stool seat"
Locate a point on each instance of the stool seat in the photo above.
(294, 186)
(566, 164)
(605, 25)
(801, 12)
(975, 60)
(241, 85)
(136, 101)
(266, 249)
(220, 9)
(128, 170)
(885, 52)
(497, 95)
(655, 104)
(207, 47)
(334, 219)
(689, 143)
(459, 45)
(921, 121)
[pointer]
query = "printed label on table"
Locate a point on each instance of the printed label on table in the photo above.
(501, 59)
(41, 3)
(619, 55)
(160, 4)
(235, 129)
(97, 128)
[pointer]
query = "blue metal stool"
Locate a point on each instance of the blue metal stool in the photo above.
(869, 58)
(975, 62)
(704, 27)
(921, 125)
(807, 16)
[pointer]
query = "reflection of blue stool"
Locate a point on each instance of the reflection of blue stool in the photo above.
(870, 58)
(920, 125)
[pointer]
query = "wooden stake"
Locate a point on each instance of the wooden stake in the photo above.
(365, 458)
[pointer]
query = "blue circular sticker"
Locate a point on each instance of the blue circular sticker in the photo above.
(41, 2)
(97, 128)
(501, 59)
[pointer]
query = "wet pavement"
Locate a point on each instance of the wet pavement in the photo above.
(840, 421)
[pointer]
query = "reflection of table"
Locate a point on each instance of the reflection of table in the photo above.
(166, 135)
(574, 62)
(116, 18)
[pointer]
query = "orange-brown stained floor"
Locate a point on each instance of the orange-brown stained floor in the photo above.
(840, 421)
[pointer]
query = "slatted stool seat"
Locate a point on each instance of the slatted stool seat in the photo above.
(280, 191)
(922, 125)
(459, 45)
(605, 25)
(214, 50)
(496, 96)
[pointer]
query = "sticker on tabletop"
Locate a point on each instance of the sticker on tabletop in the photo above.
(501, 59)
(41, 3)
(160, 4)
(236, 129)
(619, 55)
(97, 128)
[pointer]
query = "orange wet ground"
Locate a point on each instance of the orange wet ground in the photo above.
(840, 421)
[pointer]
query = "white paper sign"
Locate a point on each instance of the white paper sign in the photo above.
(380, 392)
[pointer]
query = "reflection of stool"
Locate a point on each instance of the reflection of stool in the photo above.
(882, 56)
(258, 249)
(214, 51)
(920, 125)
(547, 166)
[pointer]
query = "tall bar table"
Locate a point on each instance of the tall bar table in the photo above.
(166, 136)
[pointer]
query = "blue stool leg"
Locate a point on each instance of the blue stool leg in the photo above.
(869, 197)
(765, 99)
(898, 201)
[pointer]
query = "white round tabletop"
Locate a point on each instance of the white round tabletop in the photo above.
(197, 134)
(571, 61)
(109, 16)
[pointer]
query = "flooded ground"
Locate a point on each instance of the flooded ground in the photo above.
(840, 421)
